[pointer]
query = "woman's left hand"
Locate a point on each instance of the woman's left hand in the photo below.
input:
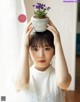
(55, 32)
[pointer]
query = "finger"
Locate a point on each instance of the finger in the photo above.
(30, 30)
(28, 25)
(51, 23)
(52, 30)
(51, 27)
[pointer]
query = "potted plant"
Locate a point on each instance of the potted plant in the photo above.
(39, 19)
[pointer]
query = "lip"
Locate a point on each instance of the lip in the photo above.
(42, 61)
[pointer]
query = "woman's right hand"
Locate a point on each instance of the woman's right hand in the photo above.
(55, 32)
(28, 31)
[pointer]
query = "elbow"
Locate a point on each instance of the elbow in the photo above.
(64, 84)
(21, 85)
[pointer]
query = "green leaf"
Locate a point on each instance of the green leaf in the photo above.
(40, 13)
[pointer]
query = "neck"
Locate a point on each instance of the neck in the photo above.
(42, 69)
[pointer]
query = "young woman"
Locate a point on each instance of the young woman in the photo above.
(42, 82)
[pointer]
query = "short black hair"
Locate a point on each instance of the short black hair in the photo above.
(40, 38)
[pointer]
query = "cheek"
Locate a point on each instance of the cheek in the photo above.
(33, 55)
(50, 54)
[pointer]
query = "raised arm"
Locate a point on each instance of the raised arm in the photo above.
(22, 75)
(62, 74)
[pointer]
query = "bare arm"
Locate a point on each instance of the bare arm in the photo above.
(22, 76)
(62, 75)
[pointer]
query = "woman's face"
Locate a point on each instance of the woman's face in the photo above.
(41, 56)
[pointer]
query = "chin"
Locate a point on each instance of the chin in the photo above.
(43, 66)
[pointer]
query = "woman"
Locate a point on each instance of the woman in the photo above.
(42, 82)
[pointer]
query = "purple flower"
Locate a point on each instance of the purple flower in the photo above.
(37, 7)
(40, 6)
(40, 10)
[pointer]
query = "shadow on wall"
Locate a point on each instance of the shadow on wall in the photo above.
(78, 44)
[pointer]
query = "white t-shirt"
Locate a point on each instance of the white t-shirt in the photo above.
(42, 87)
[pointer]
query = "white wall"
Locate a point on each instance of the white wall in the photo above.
(63, 16)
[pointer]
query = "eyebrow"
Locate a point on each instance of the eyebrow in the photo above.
(42, 46)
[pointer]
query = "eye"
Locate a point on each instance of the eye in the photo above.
(47, 48)
(35, 49)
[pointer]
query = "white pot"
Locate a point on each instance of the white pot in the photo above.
(40, 25)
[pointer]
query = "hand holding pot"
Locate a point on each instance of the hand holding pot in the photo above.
(28, 31)
(55, 32)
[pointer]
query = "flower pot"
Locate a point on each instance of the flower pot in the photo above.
(40, 25)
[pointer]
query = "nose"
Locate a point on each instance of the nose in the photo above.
(41, 53)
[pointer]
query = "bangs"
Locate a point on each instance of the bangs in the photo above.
(41, 39)
(39, 42)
